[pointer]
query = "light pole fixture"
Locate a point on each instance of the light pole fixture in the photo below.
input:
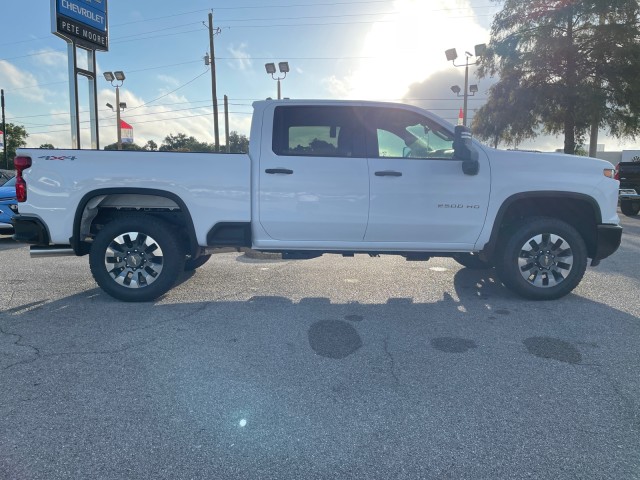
(116, 79)
(452, 55)
(473, 89)
(271, 70)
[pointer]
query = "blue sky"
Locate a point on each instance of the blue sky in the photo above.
(380, 50)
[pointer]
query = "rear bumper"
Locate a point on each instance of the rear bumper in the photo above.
(608, 241)
(29, 230)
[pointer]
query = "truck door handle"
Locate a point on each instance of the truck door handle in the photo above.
(286, 171)
(388, 173)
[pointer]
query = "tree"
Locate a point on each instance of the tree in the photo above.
(182, 143)
(563, 65)
(238, 143)
(47, 146)
(125, 146)
(16, 137)
(491, 122)
(151, 146)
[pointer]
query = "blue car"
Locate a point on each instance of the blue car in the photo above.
(8, 206)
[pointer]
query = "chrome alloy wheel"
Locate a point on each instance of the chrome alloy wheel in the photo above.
(545, 260)
(134, 260)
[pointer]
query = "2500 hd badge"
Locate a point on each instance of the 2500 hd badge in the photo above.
(457, 205)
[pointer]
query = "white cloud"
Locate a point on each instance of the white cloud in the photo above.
(50, 58)
(171, 81)
(20, 82)
(172, 114)
(242, 59)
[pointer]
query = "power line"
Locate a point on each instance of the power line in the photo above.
(142, 122)
(164, 114)
(233, 103)
(141, 36)
(268, 19)
(164, 29)
(172, 91)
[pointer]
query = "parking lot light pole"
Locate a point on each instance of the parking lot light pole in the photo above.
(117, 79)
(271, 70)
(472, 90)
(451, 55)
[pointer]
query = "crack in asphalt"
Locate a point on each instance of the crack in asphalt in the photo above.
(628, 402)
(181, 316)
(38, 355)
(19, 344)
(393, 362)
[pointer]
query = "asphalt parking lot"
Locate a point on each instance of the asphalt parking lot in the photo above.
(335, 367)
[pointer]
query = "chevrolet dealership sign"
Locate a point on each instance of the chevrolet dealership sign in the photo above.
(83, 22)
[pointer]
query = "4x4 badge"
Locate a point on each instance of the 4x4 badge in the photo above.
(53, 157)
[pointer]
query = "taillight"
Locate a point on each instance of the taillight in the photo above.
(21, 164)
(616, 176)
(21, 190)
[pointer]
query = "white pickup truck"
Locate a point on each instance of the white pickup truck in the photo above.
(323, 177)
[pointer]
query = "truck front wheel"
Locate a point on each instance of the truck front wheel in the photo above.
(191, 263)
(472, 261)
(629, 208)
(541, 258)
(136, 258)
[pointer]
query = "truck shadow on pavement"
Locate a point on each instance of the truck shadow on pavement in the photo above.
(8, 243)
(289, 386)
(457, 324)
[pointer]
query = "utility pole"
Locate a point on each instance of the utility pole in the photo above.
(595, 121)
(4, 135)
(119, 129)
(226, 123)
(214, 93)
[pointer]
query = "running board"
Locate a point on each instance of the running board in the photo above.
(51, 251)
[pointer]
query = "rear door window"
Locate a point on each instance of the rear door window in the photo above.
(318, 131)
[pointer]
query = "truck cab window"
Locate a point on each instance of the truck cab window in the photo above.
(311, 140)
(404, 134)
(317, 132)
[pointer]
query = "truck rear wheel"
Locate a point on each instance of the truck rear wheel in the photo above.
(541, 258)
(629, 208)
(136, 258)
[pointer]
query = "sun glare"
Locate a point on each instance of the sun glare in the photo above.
(409, 46)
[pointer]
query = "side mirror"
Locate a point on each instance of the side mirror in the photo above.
(464, 150)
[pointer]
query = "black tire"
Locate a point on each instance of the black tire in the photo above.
(472, 261)
(541, 258)
(193, 263)
(629, 208)
(136, 258)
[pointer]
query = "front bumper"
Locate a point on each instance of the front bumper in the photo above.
(30, 230)
(628, 194)
(607, 241)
